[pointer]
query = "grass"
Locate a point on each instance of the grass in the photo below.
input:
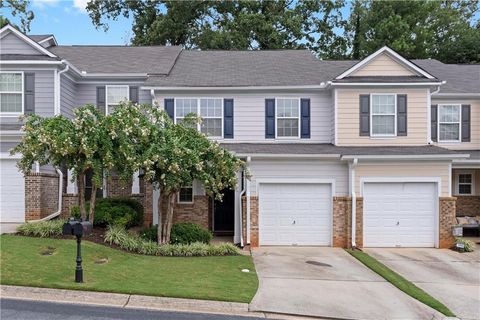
(400, 282)
(24, 263)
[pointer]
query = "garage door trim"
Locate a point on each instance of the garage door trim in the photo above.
(290, 180)
(435, 180)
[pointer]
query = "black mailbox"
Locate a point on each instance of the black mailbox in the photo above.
(77, 229)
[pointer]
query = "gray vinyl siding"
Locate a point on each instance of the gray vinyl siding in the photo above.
(68, 102)
(249, 113)
(300, 169)
(11, 44)
(5, 146)
(87, 93)
(44, 97)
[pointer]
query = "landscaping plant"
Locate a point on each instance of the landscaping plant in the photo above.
(42, 229)
(186, 233)
(468, 245)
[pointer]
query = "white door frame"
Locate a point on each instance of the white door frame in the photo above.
(436, 180)
(292, 180)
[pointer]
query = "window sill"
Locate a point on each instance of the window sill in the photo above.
(184, 203)
(447, 142)
(383, 137)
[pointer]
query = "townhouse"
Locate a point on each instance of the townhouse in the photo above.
(382, 152)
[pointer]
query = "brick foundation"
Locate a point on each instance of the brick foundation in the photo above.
(467, 206)
(342, 221)
(196, 212)
(359, 223)
(69, 200)
(254, 236)
(447, 220)
(41, 195)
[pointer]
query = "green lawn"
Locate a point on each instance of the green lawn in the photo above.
(212, 278)
(400, 282)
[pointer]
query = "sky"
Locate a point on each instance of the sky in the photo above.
(70, 23)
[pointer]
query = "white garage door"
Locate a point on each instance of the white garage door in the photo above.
(295, 214)
(12, 192)
(399, 214)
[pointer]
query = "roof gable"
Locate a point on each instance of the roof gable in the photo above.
(385, 62)
(15, 42)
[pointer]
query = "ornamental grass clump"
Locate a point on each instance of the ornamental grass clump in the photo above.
(43, 229)
(468, 245)
(117, 235)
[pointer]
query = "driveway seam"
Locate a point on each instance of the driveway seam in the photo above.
(324, 279)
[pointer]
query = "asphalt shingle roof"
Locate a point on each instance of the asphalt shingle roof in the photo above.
(120, 59)
(322, 148)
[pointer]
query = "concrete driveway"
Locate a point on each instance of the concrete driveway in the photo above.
(329, 283)
(451, 277)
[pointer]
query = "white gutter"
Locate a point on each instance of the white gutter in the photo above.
(407, 157)
(60, 191)
(31, 62)
(351, 168)
(241, 206)
(58, 87)
(322, 85)
(386, 84)
(282, 155)
(249, 159)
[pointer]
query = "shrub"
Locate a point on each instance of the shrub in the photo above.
(186, 233)
(150, 234)
(43, 229)
(114, 211)
(119, 236)
(469, 246)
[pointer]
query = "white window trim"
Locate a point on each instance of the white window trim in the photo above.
(459, 122)
(15, 114)
(115, 86)
(185, 202)
(395, 116)
(457, 182)
(298, 117)
(199, 126)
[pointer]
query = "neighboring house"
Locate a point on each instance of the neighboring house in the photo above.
(398, 138)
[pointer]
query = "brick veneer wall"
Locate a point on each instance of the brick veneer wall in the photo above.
(69, 200)
(118, 188)
(447, 220)
(254, 236)
(342, 221)
(41, 195)
(359, 223)
(468, 206)
(196, 212)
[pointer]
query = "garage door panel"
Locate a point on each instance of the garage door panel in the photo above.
(308, 205)
(399, 214)
(12, 192)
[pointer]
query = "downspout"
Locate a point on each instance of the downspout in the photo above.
(60, 191)
(248, 203)
(352, 166)
(59, 73)
(429, 113)
(241, 207)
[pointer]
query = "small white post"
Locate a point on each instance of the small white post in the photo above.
(71, 186)
(135, 183)
(37, 167)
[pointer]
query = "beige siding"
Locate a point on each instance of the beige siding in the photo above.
(349, 124)
(474, 125)
(383, 65)
(411, 169)
(476, 180)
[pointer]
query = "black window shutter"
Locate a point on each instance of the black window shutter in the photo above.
(364, 115)
(270, 118)
(305, 118)
(101, 99)
(465, 123)
(29, 93)
(228, 118)
(170, 107)
(401, 114)
(133, 94)
(433, 122)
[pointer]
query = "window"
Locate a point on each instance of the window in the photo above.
(383, 115)
(115, 95)
(288, 118)
(464, 183)
(185, 195)
(449, 122)
(210, 109)
(11, 93)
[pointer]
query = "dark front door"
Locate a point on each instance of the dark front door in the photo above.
(89, 186)
(224, 214)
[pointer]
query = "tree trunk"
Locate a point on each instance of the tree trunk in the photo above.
(160, 224)
(93, 198)
(81, 195)
(167, 224)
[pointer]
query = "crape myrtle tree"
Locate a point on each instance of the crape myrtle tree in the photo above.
(170, 156)
(80, 145)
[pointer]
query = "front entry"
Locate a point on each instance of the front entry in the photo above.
(224, 214)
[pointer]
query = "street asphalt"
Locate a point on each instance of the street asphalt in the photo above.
(36, 310)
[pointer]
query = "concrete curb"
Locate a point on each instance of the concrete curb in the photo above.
(126, 301)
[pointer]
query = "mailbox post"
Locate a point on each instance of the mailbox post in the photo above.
(77, 228)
